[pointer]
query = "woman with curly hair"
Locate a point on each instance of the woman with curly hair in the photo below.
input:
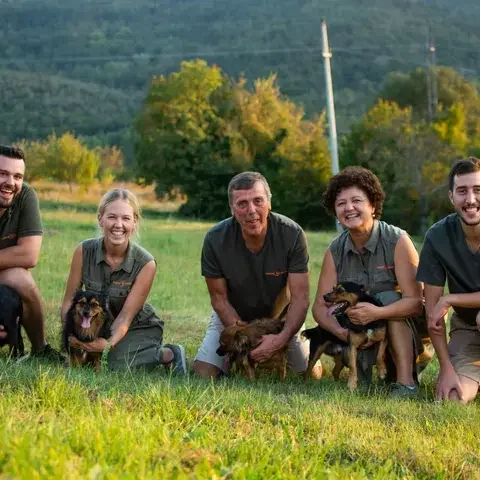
(379, 256)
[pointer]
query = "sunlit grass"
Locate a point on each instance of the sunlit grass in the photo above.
(73, 423)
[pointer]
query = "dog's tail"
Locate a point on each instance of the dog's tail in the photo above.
(312, 333)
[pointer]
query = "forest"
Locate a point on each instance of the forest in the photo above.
(86, 66)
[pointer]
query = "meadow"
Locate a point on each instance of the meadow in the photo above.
(73, 423)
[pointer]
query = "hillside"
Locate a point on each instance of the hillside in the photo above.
(35, 105)
(120, 44)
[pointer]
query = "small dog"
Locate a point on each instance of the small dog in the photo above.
(11, 312)
(343, 296)
(87, 319)
(237, 341)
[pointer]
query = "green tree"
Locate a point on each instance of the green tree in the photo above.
(410, 158)
(199, 128)
(68, 160)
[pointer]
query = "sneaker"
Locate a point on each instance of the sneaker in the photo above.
(179, 362)
(49, 354)
(399, 390)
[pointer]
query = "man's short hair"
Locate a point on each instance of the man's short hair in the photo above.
(12, 152)
(246, 181)
(462, 167)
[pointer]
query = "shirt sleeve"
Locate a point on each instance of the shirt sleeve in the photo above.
(30, 221)
(430, 270)
(298, 258)
(209, 261)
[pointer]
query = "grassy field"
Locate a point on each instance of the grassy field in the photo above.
(72, 423)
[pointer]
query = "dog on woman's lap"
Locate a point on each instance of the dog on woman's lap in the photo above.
(322, 341)
(87, 319)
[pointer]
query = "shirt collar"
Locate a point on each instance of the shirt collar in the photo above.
(371, 244)
(128, 261)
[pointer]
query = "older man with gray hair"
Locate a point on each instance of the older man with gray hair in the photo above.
(248, 261)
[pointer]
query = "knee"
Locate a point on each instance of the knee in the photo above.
(21, 280)
(205, 370)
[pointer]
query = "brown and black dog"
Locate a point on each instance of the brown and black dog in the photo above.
(87, 319)
(343, 296)
(238, 340)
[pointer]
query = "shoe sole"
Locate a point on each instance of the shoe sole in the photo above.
(184, 358)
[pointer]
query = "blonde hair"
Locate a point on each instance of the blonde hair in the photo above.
(126, 196)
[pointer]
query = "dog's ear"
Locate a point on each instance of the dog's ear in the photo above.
(241, 342)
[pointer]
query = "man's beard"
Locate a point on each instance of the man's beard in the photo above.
(473, 223)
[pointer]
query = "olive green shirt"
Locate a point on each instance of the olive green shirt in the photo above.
(446, 257)
(374, 267)
(254, 280)
(21, 218)
(98, 276)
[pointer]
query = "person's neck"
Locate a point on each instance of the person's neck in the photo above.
(115, 254)
(361, 235)
(472, 235)
(255, 243)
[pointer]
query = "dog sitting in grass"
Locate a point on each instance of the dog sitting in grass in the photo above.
(11, 311)
(87, 319)
(342, 297)
(238, 340)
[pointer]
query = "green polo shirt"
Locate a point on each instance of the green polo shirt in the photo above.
(374, 266)
(254, 280)
(446, 257)
(99, 277)
(21, 218)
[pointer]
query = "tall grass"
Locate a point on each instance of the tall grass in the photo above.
(73, 423)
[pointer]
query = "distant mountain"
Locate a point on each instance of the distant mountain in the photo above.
(120, 44)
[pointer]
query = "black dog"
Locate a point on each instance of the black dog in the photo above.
(87, 319)
(343, 296)
(11, 312)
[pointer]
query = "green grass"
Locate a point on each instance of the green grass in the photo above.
(73, 423)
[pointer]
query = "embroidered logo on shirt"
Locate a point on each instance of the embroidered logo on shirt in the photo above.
(276, 274)
(385, 267)
(122, 283)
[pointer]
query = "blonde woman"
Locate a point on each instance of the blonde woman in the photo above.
(123, 271)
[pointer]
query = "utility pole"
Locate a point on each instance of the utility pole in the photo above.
(332, 125)
(432, 89)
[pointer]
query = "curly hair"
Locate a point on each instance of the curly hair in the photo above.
(359, 177)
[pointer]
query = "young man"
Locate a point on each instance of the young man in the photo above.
(247, 261)
(20, 242)
(451, 253)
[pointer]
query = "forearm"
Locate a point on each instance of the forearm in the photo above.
(439, 342)
(119, 329)
(465, 300)
(295, 318)
(223, 308)
(17, 257)
(403, 308)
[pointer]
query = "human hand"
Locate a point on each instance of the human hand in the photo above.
(436, 318)
(448, 383)
(96, 346)
(363, 313)
(3, 333)
(269, 345)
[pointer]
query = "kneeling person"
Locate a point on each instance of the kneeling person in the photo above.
(248, 260)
